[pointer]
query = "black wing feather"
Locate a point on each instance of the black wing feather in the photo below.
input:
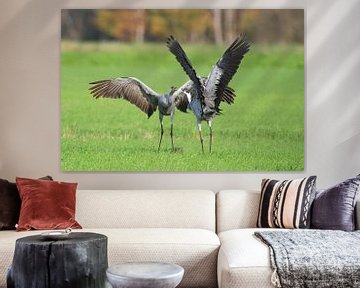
(227, 66)
(184, 61)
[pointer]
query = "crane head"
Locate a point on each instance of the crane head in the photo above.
(172, 90)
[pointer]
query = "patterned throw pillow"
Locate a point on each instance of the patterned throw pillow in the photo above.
(286, 204)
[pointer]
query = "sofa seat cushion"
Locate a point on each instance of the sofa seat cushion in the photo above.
(196, 250)
(244, 261)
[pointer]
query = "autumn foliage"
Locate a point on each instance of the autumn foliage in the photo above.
(192, 25)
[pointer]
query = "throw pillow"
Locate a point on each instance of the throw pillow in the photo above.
(286, 204)
(10, 204)
(334, 208)
(46, 204)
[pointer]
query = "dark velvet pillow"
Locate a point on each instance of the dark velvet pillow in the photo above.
(10, 204)
(46, 204)
(334, 208)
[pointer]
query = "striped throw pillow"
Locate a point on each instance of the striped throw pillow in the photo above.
(286, 204)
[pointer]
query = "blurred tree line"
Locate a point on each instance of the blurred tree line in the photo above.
(192, 25)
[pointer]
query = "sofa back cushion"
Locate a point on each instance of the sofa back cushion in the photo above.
(146, 209)
(236, 209)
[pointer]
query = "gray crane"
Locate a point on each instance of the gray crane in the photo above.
(204, 95)
(137, 93)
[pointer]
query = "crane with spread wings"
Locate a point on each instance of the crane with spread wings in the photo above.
(142, 96)
(204, 94)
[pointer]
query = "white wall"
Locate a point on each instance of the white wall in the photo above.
(30, 94)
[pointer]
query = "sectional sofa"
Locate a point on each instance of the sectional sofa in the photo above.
(209, 234)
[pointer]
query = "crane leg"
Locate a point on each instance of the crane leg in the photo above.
(161, 130)
(211, 135)
(171, 131)
(201, 138)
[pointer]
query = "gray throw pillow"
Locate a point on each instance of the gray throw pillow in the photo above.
(334, 208)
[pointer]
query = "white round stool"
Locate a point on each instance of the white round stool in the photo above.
(145, 275)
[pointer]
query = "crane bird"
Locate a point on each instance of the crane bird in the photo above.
(139, 94)
(203, 95)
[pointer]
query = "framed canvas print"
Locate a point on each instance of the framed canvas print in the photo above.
(182, 90)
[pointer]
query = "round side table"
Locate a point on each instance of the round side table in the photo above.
(145, 275)
(80, 261)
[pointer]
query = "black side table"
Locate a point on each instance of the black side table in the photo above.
(78, 261)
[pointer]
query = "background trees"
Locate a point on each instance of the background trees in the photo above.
(192, 25)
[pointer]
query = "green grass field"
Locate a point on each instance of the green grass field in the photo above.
(262, 131)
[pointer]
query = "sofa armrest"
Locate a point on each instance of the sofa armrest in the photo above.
(357, 215)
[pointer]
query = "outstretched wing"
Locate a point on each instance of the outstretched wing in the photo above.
(228, 95)
(180, 98)
(224, 70)
(182, 101)
(184, 61)
(128, 88)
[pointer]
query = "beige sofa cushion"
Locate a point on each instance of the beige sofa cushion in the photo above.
(244, 261)
(236, 209)
(146, 209)
(194, 249)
